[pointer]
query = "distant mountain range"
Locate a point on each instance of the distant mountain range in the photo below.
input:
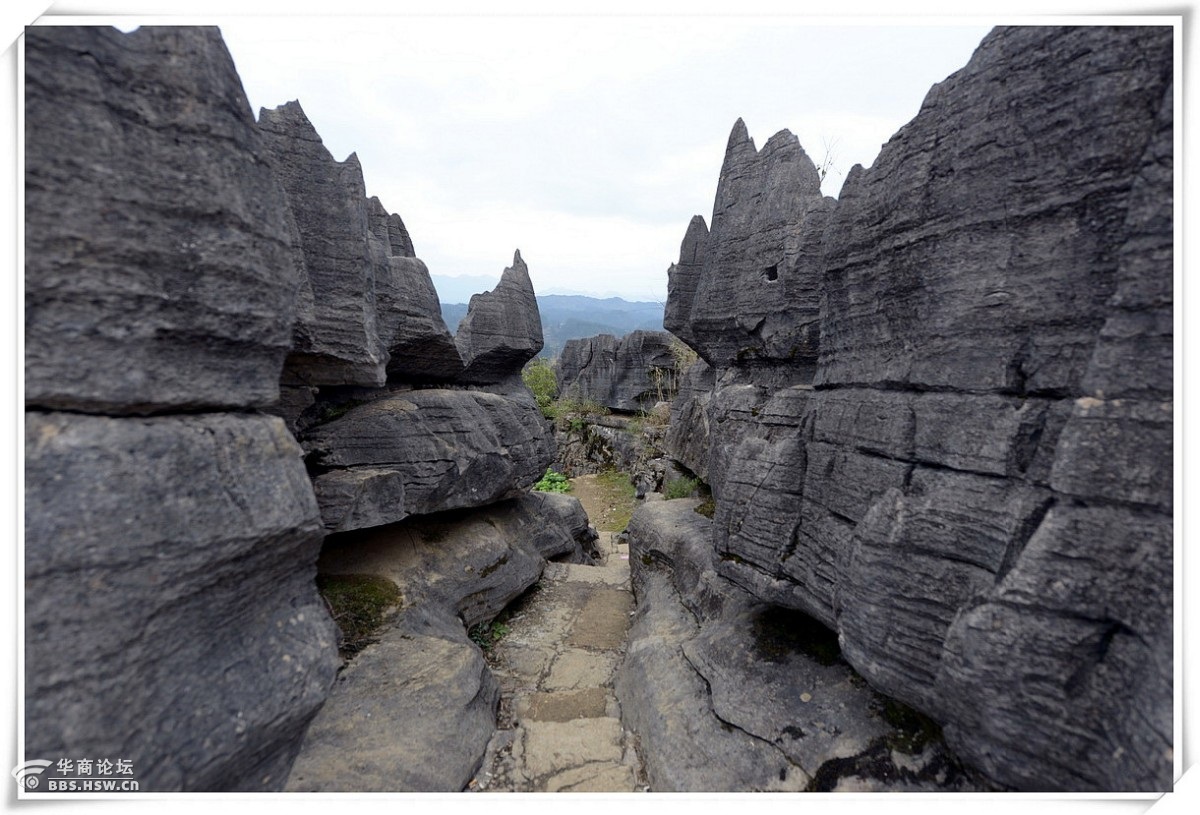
(572, 316)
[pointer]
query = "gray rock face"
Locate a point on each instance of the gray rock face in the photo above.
(447, 449)
(727, 693)
(389, 228)
(502, 330)
(630, 374)
(748, 289)
(421, 347)
(342, 345)
(171, 615)
(989, 427)
(415, 711)
(683, 278)
(159, 270)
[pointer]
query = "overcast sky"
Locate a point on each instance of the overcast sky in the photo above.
(588, 143)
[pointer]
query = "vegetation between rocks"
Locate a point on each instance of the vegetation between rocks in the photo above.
(553, 482)
(680, 488)
(486, 635)
(358, 603)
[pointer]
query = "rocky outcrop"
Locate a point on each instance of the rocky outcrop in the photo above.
(972, 485)
(171, 616)
(746, 290)
(159, 270)
(502, 330)
(415, 711)
(342, 344)
(425, 451)
(628, 374)
(730, 693)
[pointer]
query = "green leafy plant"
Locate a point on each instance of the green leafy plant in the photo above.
(553, 482)
(539, 377)
(680, 488)
(486, 635)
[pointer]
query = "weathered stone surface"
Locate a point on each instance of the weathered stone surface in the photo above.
(984, 261)
(683, 278)
(754, 295)
(705, 652)
(474, 563)
(411, 713)
(416, 711)
(421, 347)
(389, 228)
(503, 328)
(994, 387)
(452, 449)
(342, 345)
(144, 539)
(687, 438)
(685, 748)
(159, 272)
(1061, 678)
(628, 374)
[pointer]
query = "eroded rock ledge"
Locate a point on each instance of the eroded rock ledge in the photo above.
(969, 480)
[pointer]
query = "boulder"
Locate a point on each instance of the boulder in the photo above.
(170, 612)
(414, 711)
(342, 345)
(449, 449)
(502, 330)
(159, 268)
(729, 693)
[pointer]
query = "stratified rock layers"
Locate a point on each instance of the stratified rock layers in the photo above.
(159, 272)
(628, 374)
(973, 485)
(449, 449)
(502, 330)
(171, 616)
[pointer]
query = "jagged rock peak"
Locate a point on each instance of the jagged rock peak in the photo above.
(746, 290)
(289, 116)
(503, 328)
(346, 341)
(683, 278)
(389, 228)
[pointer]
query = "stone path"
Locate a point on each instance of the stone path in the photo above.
(559, 726)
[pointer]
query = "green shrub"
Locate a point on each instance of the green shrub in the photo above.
(553, 482)
(680, 487)
(539, 377)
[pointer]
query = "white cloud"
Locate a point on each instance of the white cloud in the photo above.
(587, 141)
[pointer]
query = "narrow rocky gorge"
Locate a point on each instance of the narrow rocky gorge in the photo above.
(927, 435)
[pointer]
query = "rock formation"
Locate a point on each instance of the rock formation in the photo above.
(415, 712)
(972, 484)
(171, 617)
(210, 268)
(502, 330)
(159, 271)
(449, 448)
(628, 374)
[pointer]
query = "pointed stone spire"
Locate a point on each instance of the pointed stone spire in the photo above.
(503, 328)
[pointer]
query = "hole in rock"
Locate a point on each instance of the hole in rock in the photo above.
(771, 273)
(780, 632)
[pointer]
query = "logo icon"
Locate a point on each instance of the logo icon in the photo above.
(27, 773)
